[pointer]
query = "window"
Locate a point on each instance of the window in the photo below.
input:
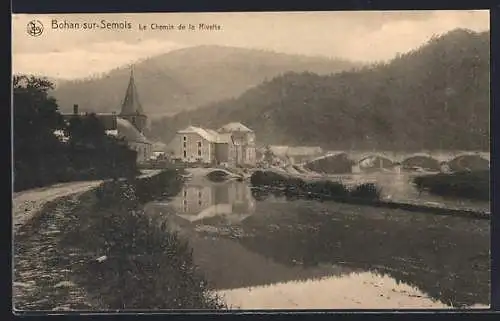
(199, 194)
(199, 144)
(185, 193)
(184, 144)
(184, 138)
(185, 154)
(199, 148)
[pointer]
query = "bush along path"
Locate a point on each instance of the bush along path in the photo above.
(99, 251)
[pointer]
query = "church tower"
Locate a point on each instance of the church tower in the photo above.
(131, 107)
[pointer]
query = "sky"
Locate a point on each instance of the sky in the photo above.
(364, 36)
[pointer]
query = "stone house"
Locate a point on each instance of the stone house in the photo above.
(232, 144)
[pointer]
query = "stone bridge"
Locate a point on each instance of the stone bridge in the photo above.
(400, 157)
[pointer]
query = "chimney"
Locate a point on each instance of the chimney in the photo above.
(75, 109)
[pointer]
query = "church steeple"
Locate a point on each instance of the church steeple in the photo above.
(131, 107)
(131, 104)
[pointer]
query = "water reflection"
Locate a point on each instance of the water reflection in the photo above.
(399, 187)
(352, 291)
(446, 257)
(255, 250)
(204, 202)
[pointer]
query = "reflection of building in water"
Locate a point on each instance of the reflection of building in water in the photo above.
(231, 200)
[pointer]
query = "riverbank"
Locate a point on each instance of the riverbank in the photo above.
(91, 251)
(469, 185)
(286, 185)
(245, 245)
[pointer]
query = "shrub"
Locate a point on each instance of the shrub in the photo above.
(327, 189)
(470, 185)
(268, 178)
(367, 191)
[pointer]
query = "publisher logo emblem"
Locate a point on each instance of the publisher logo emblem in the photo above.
(34, 28)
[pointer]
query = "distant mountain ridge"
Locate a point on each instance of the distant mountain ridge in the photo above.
(433, 97)
(187, 78)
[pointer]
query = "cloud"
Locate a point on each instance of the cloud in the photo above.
(360, 36)
(94, 58)
(404, 35)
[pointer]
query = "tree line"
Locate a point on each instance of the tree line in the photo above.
(81, 151)
(435, 97)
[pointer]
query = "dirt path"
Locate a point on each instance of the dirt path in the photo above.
(42, 270)
(26, 204)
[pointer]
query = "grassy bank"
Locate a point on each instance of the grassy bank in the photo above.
(267, 182)
(271, 182)
(143, 264)
(469, 185)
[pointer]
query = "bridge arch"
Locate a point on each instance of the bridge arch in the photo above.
(484, 155)
(469, 161)
(422, 160)
(359, 158)
(380, 160)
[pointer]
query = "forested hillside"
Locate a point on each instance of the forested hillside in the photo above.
(188, 78)
(434, 97)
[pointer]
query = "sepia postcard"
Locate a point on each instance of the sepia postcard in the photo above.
(251, 161)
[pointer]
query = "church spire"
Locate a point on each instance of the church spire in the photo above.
(131, 104)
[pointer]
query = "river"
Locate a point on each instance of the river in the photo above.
(399, 187)
(278, 254)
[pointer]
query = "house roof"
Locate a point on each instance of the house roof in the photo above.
(200, 131)
(212, 132)
(304, 150)
(234, 127)
(295, 150)
(128, 131)
(106, 119)
(278, 150)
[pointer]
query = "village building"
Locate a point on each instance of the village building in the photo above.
(295, 154)
(128, 125)
(159, 150)
(232, 144)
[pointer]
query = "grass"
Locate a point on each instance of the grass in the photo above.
(147, 265)
(270, 183)
(469, 185)
(281, 185)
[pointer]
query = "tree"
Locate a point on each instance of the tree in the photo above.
(86, 131)
(36, 116)
(37, 150)
(434, 97)
(41, 158)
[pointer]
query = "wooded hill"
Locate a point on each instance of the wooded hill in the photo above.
(188, 78)
(433, 97)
